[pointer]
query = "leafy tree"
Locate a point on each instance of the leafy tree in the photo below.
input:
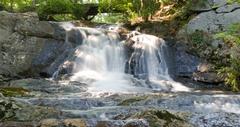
(50, 7)
(130, 8)
(17, 5)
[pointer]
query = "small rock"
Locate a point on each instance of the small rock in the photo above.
(74, 123)
(116, 123)
(205, 67)
(137, 123)
(49, 123)
(207, 77)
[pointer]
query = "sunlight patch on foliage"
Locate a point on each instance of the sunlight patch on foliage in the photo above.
(231, 73)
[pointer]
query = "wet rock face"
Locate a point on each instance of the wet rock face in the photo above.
(186, 64)
(30, 47)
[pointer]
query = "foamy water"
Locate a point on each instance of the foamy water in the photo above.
(101, 63)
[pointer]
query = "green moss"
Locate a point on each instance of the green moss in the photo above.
(232, 1)
(163, 114)
(13, 91)
(129, 101)
(161, 118)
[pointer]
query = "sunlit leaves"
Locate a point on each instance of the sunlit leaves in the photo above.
(232, 72)
(232, 35)
(130, 8)
(16, 5)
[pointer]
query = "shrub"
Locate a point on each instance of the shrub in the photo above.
(199, 43)
(231, 73)
(79, 11)
(130, 8)
(47, 8)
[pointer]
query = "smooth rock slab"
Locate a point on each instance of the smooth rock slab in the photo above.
(211, 22)
(48, 86)
(67, 103)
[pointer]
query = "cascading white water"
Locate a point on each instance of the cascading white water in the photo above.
(100, 53)
(149, 55)
(149, 58)
(100, 62)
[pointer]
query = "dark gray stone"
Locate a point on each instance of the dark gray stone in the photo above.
(186, 63)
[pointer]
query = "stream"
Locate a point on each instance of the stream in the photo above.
(108, 81)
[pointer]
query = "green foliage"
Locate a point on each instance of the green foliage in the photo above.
(198, 37)
(74, 9)
(130, 8)
(64, 9)
(17, 5)
(232, 35)
(149, 8)
(78, 11)
(51, 7)
(110, 18)
(48, 9)
(232, 74)
(112, 6)
(199, 41)
(232, 1)
(232, 71)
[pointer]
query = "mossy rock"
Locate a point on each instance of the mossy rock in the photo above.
(14, 91)
(13, 110)
(7, 109)
(129, 101)
(162, 118)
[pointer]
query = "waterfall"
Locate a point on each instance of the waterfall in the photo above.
(100, 53)
(100, 62)
(106, 64)
(149, 58)
(149, 61)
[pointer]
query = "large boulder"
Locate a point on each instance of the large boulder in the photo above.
(7, 23)
(186, 63)
(29, 47)
(213, 21)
